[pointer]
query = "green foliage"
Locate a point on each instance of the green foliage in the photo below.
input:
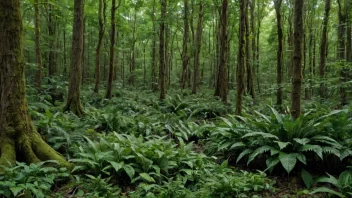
(280, 139)
(30, 180)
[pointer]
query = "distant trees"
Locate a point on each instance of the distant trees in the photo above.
(162, 61)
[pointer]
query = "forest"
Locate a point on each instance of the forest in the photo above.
(175, 98)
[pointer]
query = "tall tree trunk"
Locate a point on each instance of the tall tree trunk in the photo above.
(133, 54)
(323, 48)
(198, 46)
(342, 51)
(222, 78)
(279, 52)
(162, 63)
(51, 31)
(37, 46)
(185, 57)
(154, 63)
(240, 57)
(73, 103)
(250, 84)
(112, 51)
(101, 13)
(19, 139)
(297, 59)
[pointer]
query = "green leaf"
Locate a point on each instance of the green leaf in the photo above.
(129, 170)
(147, 177)
(277, 115)
(313, 148)
(288, 161)
(117, 166)
(238, 144)
(258, 151)
(307, 178)
(302, 141)
(15, 190)
(264, 135)
(327, 190)
(244, 153)
(282, 145)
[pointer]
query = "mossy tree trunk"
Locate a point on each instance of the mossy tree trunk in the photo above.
(19, 140)
(279, 97)
(240, 58)
(37, 46)
(162, 52)
(297, 59)
(73, 103)
(102, 18)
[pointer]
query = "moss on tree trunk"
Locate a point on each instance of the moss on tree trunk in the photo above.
(19, 140)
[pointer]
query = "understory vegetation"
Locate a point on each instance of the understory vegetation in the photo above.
(186, 146)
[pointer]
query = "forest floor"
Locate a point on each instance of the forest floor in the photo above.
(137, 146)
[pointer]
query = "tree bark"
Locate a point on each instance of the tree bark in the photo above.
(222, 78)
(37, 46)
(250, 84)
(73, 103)
(101, 13)
(297, 59)
(19, 140)
(240, 58)
(162, 63)
(185, 57)
(112, 51)
(342, 51)
(198, 45)
(279, 53)
(323, 48)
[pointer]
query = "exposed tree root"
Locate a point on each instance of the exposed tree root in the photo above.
(75, 107)
(30, 148)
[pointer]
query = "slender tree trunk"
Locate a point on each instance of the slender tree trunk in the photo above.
(101, 13)
(222, 79)
(19, 139)
(323, 48)
(185, 57)
(198, 46)
(279, 52)
(342, 51)
(73, 103)
(240, 57)
(51, 30)
(37, 46)
(250, 84)
(112, 51)
(154, 63)
(297, 59)
(162, 51)
(133, 54)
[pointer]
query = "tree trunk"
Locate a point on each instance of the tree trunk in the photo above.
(162, 51)
(297, 60)
(73, 103)
(101, 13)
(18, 138)
(250, 85)
(112, 51)
(133, 54)
(198, 45)
(154, 65)
(279, 52)
(323, 48)
(51, 30)
(240, 58)
(185, 57)
(342, 51)
(222, 78)
(37, 46)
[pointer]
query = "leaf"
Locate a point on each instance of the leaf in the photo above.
(129, 170)
(15, 190)
(277, 115)
(313, 148)
(265, 135)
(288, 161)
(326, 190)
(307, 178)
(238, 144)
(147, 177)
(244, 153)
(257, 152)
(117, 166)
(282, 145)
(302, 141)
